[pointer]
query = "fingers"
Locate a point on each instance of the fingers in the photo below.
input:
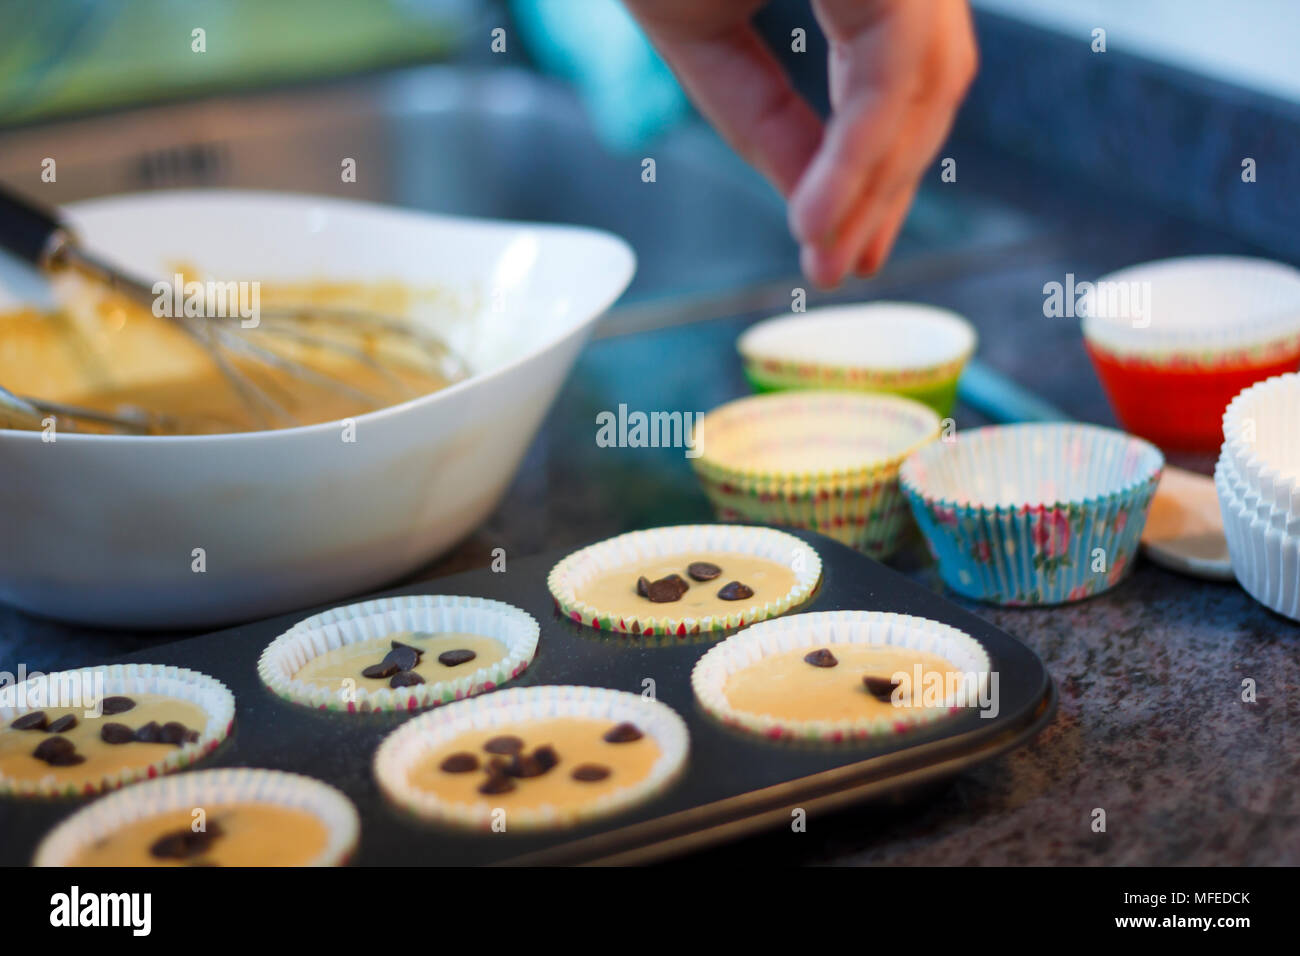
(742, 89)
(890, 192)
(871, 77)
(896, 87)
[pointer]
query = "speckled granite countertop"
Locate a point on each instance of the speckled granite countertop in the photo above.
(1151, 725)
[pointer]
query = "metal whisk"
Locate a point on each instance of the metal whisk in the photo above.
(37, 236)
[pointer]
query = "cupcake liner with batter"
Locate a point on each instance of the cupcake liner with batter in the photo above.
(567, 578)
(208, 788)
(210, 694)
(409, 744)
(829, 629)
(427, 613)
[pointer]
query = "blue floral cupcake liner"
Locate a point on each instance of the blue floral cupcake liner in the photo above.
(1033, 514)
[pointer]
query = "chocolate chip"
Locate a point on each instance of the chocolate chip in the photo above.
(881, 688)
(667, 590)
(116, 705)
(36, 720)
(150, 733)
(535, 764)
(66, 760)
(173, 732)
(703, 570)
(191, 736)
(496, 783)
(116, 734)
(623, 733)
(402, 656)
(62, 725)
(459, 763)
(405, 679)
(57, 752)
(381, 671)
(522, 765)
(456, 657)
(505, 744)
(643, 586)
(183, 844)
(821, 658)
(398, 645)
(546, 756)
(735, 591)
(590, 772)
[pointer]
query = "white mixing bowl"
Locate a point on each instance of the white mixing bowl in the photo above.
(102, 530)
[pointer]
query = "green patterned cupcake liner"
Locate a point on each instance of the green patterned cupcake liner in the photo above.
(210, 789)
(426, 613)
(862, 348)
(831, 629)
(570, 575)
(858, 504)
(86, 686)
(418, 739)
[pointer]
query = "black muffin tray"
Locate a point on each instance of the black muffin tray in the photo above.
(733, 783)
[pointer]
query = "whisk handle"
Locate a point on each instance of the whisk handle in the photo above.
(28, 231)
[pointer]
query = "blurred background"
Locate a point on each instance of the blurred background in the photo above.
(1099, 133)
(554, 126)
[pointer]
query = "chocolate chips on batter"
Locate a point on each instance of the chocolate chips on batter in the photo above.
(459, 763)
(590, 773)
(173, 732)
(398, 665)
(623, 733)
(36, 720)
(505, 744)
(821, 657)
(703, 570)
(664, 591)
(185, 843)
(735, 591)
(63, 724)
(58, 752)
(456, 657)
(115, 733)
(881, 688)
(671, 588)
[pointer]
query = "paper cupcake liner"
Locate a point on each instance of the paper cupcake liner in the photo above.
(1264, 493)
(859, 506)
(829, 629)
(207, 788)
(568, 577)
(1264, 548)
(873, 518)
(208, 693)
(436, 613)
(1261, 432)
(1033, 514)
(854, 348)
(1256, 317)
(413, 741)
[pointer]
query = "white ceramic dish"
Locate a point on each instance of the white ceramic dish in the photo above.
(1184, 528)
(102, 530)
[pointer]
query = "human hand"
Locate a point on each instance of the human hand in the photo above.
(898, 71)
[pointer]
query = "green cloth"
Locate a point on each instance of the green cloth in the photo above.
(65, 56)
